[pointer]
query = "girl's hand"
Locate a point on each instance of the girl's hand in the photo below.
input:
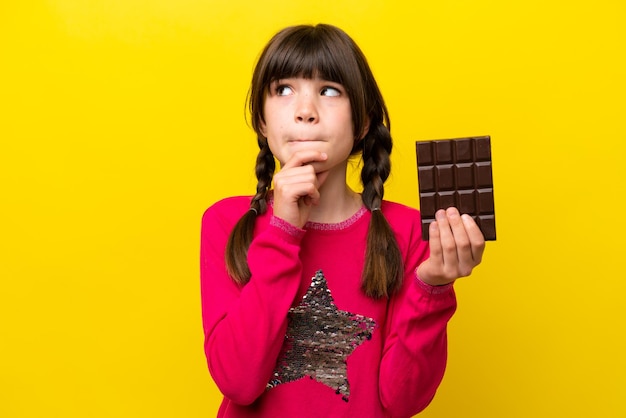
(296, 187)
(456, 247)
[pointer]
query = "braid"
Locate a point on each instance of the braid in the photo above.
(241, 236)
(265, 167)
(382, 274)
(376, 166)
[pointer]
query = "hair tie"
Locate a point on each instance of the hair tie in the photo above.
(256, 212)
(375, 209)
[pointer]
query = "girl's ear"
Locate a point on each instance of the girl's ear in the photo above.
(262, 128)
(365, 130)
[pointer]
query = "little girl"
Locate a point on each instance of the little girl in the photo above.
(319, 301)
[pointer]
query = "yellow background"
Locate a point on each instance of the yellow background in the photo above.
(122, 120)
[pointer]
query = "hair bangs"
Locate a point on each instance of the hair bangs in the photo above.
(306, 55)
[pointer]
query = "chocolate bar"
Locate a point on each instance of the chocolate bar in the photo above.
(457, 172)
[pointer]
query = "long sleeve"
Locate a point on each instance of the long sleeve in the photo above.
(415, 351)
(244, 326)
(248, 329)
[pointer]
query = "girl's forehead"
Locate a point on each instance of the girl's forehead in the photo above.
(300, 77)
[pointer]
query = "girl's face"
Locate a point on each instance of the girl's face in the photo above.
(308, 114)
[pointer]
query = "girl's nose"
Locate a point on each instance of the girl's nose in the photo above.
(305, 110)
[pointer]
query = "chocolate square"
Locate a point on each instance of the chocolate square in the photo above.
(457, 172)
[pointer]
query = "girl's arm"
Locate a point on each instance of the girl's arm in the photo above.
(244, 326)
(415, 351)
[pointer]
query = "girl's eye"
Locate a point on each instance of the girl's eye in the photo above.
(330, 91)
(283, 90)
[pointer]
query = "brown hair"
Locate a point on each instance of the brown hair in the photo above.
(327, 52)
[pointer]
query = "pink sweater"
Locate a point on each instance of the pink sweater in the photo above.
(301, 339)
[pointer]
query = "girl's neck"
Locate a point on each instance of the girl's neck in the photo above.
(338, 201)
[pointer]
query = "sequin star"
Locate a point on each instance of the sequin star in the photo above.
(319, 339)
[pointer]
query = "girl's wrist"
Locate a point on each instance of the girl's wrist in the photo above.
(432, 282)
(285, 226)
(432, 288)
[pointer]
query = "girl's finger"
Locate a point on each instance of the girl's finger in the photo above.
(465, 260)
(295, 175)
(300, 158)
(448, 246)
(298, 189)
(476, 238)
(434, 244)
